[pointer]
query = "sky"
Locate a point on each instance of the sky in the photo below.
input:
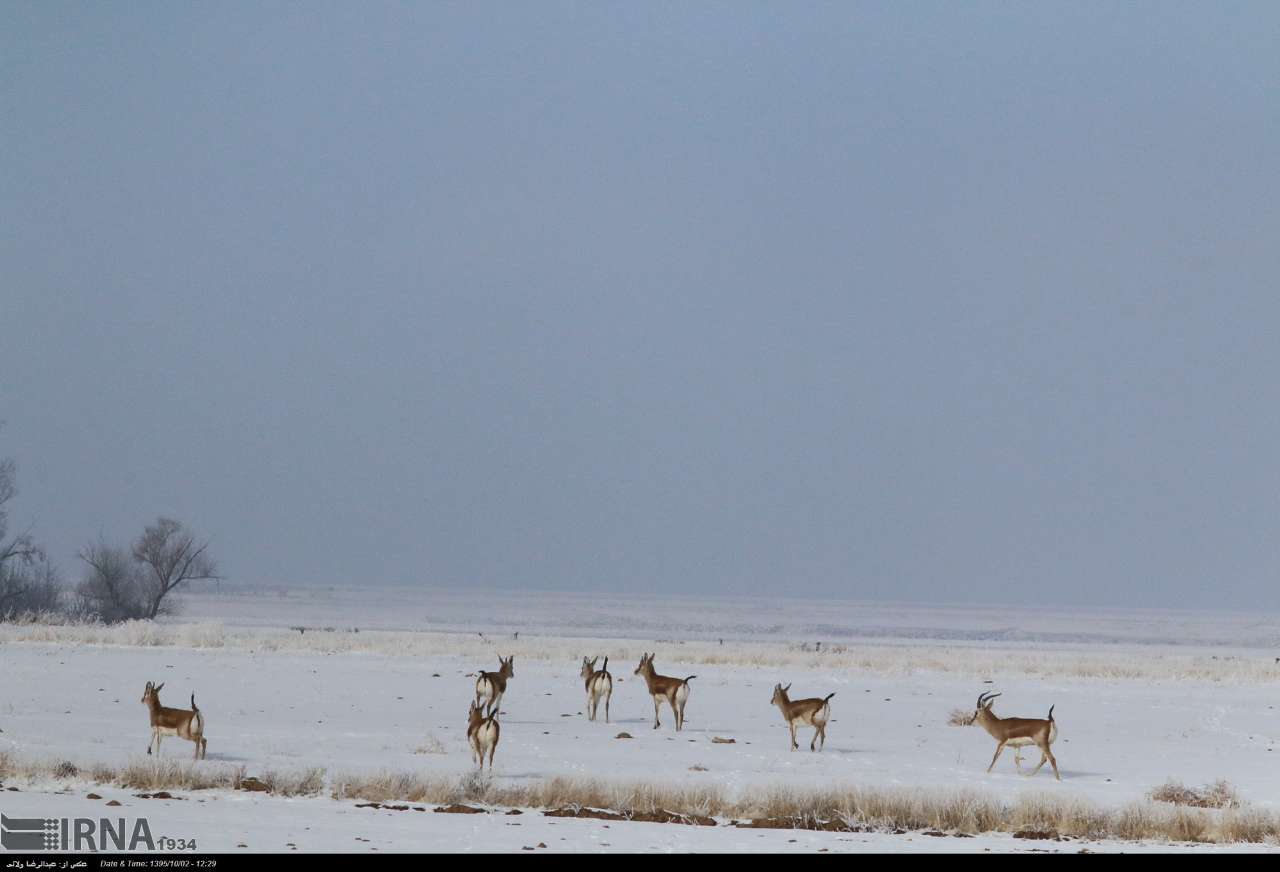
(959, 302)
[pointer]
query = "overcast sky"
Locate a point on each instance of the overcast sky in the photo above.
(916, 301)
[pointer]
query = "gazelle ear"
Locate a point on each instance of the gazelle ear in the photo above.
(788, 687)
(158, 686)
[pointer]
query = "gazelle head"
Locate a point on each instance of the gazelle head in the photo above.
(983, 706)
(507, 666)
(780, 694)
(645, 660)
(588, 666)
(475, 714)
(151, 695)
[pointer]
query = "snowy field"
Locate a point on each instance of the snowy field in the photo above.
(1140, 698)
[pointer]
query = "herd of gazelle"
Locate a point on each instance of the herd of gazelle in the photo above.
(483, 729)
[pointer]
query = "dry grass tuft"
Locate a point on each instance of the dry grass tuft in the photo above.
(1220, 794)
(175, 775)
(432, 745)
(959, 718)
(65, 769)
(152, 774)
(309, 782)
(1246, 825)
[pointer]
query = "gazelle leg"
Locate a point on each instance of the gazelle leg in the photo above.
(1052, 762)
(492, 748)
(204, 748)
(999, 748)
(823, 732)
(151, 741)
(793, 735)
(606, 706)
(655, 713)
(1017, 759)
(814, 740)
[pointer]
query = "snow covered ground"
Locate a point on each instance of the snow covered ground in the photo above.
(251, 823)
(269, 706)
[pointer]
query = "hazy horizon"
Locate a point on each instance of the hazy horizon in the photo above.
(268, 588)
(917, 302)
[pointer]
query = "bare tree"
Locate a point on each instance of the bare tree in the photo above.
(19, 556)
(170, 556)
(112, 587)
(41, 594)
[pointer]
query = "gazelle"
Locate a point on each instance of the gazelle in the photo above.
(598, 684)
(661, 687)
(482, 734)
(1017, 733)
(807, 712)
(490, 686)
(184, 724)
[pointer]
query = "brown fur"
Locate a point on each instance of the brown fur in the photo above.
(182, 723)
(598, 684)
(482, 734)
(812, 712)
(491, 686)
(675, 691)
(1017, 732)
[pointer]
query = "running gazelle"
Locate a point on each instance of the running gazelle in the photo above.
(184, 724)
(598, 684)
(675, 691)
(490, 686)
(482, 734)
(1017, 733)
(812, 712)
